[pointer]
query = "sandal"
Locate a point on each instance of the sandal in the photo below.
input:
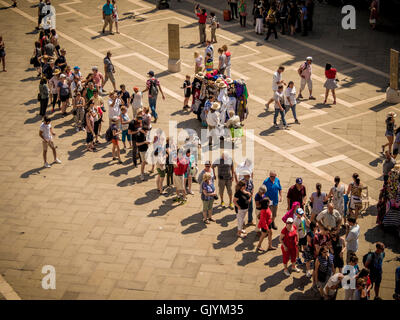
(271, 248)
(211, 219)
(258, 249)
(206, 221)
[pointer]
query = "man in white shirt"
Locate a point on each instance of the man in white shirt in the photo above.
(352, 234)
(330, 218)
(46, 133)
(114, 109)
(246, 165)
(276, 81)
(213, 121)
(332, 286)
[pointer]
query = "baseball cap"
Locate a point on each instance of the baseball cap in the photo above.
(76, 68)
(300, 211)
(299, 180)
(207, 163)
(289, 220)
(309, 58)
(151, 73)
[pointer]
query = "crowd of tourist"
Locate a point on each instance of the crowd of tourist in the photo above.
(315, 240)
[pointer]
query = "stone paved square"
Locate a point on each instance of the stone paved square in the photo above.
(110, 235)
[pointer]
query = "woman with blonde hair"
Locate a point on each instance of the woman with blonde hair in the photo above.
(115, 15)
(208, 195)
(198, 59)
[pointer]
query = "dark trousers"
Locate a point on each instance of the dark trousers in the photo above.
(305, 27)
(134, 152)
(234, 10)
(310, 24)
(250, 211)
(55, 101)
(170, 172)
(271, 28)
(43, 106)
(242, 21)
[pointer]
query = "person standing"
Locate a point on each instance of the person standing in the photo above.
(323, 268)
(114, 107)
(202, 15)
(44, 96)
(209, 49)
(388, 165)
(98, 117)
(305, 72)
(133, 130)
(374, 264)
(310, 13)
(198, 66)
(258, 16)
(250, 189)
(180, 167)
(115, 15)
(142, 145)
(53, 83)
(63, 93)
(271, 22)
(265, 225)
(124, 127)
(208, 195)
(109, 70)
(329, 219)
(296, 193)
(278, 98)
(260, 195)
(241, 201)
(226, 174)
(213, 27)
(115, 123)
(46, 133)
(98, 79)
(317, 199)
(274, 193)
(390, 125)
(338, 246)
(136, 101)
(3, 53)
(40, 13)
(351, 238)
(187, 89)
(234, 8)
(330, 83)
(355, 190)
(300, 221)
(79, 110)
(276, 81)
(337, 195)
(228, 60)
(90, 114)
(290, 100)
(153, 86)
(242, 13)
(304, 18)
(293, 16)
(289, 240)
(108, 16)
(373, 16)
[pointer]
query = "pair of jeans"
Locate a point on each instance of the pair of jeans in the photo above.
(282, 113)
(170, 172)
(293, 107)
(55, 95)
(152, 104)
(250, 217)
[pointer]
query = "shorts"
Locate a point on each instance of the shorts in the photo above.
(303, 83)
(109, 75)
(114, 142)
(338, 262)
(303, 241)
(372, 21)
(389, 134)
(89, 137)
(225, 183)
(46, 144)
(266, 230)
(208, 205)
(375, 278)
(179, 182)
(187, 95)
(125, 135)
(161, 172)
(64, 98)
(308, 254)
(274, 210)
(142, 155)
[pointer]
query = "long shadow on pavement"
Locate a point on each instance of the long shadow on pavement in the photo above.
(272, 280)
(298, 283)
(162, 210)
(32, 172)
(226, 238)
(378, 233)
(309, 294)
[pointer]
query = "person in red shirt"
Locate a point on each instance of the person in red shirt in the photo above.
(265, 225)
(331, 82)
(288, 240)
(202, 15)
(180, 167)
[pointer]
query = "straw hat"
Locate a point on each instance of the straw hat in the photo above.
(391, 115)
(218, 80)
(56, 72)
(221, 85)
(199, 76)
(229, 80)
(215, 106)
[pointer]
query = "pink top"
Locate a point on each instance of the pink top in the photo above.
(307, 70)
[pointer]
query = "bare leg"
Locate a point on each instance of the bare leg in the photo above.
(262, 237)
(334, 96)
(326, 95)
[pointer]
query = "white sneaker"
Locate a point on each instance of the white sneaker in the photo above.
(287, 273)
(57, 160)
(190, 192)
(295, 269)
(46, 165)
(142, 177)
(308, 274)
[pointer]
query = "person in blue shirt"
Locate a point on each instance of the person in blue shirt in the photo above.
(374, 264)
(108, 16)
(274, 193)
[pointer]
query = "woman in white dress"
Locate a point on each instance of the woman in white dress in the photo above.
(115, 14)
(337, 195)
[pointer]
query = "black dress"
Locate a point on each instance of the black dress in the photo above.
(337, 248)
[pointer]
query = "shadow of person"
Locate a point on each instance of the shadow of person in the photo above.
(101, 165)
(166, 206)
(67, 123)
(121, 171)
(298, 283)
(34, 119)
(223, 222)
(375, 162)
(248, 242)
(272, 280)
(68, 133)
(269, 131)
(129, 181)
(274, 261)
(29, 102)
(226, 238)
(29, 79)
(77, 153)
(379, 234)
(247, 258)
(309, 294)
(150, 196)
(32, 172)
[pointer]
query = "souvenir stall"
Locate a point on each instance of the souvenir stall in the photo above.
(390, 195)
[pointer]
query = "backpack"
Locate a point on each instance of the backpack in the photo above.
(365, 258)
(153, 88)
(109, 134)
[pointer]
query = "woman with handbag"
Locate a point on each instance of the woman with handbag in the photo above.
(43, 96)
(330, 83)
